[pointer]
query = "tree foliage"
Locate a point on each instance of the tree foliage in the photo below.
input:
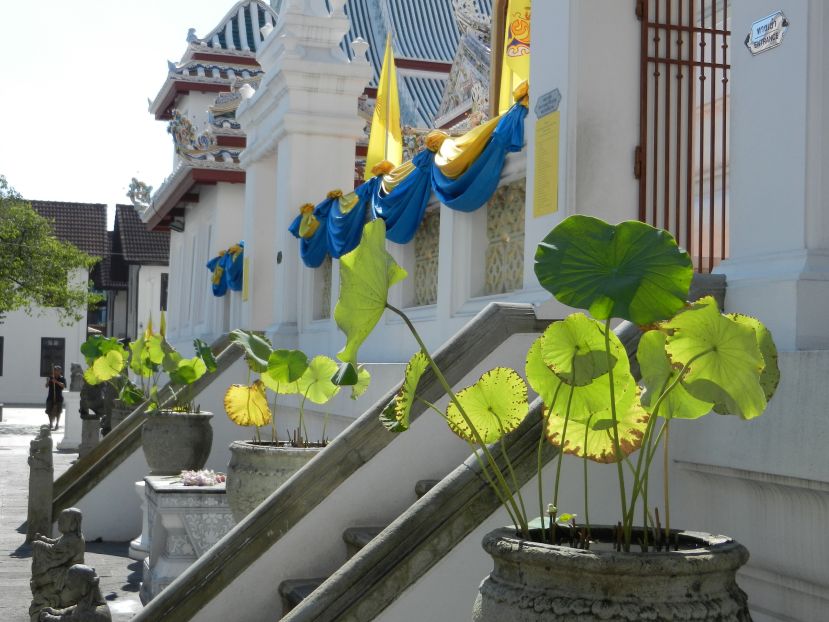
(35, 265)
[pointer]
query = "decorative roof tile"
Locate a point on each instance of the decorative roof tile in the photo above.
(137, 244)
(239, 29)
(82, 224)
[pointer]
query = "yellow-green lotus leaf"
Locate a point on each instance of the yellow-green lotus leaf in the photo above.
(405, 397)
(247, 405)
(725, 360)
(495, 405)
(574, 349)
(285, 367)
(109, 365)
(366, 274)
(315, 383)
(770, 376)
(363, 381)
(658, 374)
(594, 439)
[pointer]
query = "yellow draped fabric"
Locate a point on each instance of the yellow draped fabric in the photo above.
(348, 202)
(457, 154)
(515, 65)
(397, 175)
(386, 139)
(309, 223)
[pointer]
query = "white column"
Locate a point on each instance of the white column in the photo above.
(140, 546)
(71, 421)
(304, 112)
(779, 153)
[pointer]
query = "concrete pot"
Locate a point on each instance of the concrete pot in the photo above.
(257, 470)
(533, 581)
(174, 442)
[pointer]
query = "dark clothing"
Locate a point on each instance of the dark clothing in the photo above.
(55, 393)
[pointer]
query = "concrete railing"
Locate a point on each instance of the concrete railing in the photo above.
(125, 438)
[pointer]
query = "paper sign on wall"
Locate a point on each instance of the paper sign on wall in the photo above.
(545, 191)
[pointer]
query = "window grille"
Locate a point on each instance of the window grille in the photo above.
(52, 352)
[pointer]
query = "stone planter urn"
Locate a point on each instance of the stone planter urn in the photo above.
(257, 469)
(533, 581)
(174, 442)
(118, 413)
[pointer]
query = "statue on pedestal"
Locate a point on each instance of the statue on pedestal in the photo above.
(76, 377)
(51, 560)
(83, 590)
(41, 476)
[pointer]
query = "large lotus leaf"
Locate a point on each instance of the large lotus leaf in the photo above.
(157, 348)
(285, 367)
(594, 438)
(205, 353)
(405, 397)
(658, 374)
(315, 383)
(574, 349)
(346, 375)
(109, 365)
(495, 405)
(257, 349)
(187, 371)
(725, 361)
(770, 376)
(363, 381)
(97, 345)
(366, 274)
(130, 394)
(631, 270)
(589, 400)
(247, 405)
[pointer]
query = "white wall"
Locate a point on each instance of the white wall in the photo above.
(149, 295)
(21, 382)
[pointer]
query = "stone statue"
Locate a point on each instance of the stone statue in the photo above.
(83, 590)
(97, 398)
(41, 482)
(76, 377)
(51, 560)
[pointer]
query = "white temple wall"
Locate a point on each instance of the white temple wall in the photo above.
(21, 382)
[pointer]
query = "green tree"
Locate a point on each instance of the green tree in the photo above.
(34, 264)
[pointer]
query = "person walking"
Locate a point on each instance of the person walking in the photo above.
(56, 383)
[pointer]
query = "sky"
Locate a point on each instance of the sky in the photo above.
(76, 77)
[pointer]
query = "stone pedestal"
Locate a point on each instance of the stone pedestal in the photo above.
(71, 421)
(140, 547)
(41, 482)
(90, 436)
(184, 522)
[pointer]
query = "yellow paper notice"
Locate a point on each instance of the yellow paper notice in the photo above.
(245, 271)
(545, 195)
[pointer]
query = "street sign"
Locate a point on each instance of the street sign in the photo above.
(767, 33)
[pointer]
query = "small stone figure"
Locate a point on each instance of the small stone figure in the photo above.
(82, 589)
(76, 377)
(41, 481)
(51, 560)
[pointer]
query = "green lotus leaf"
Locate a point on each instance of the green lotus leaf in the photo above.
(723, 358)
(589, 400)
(247, 405)
(204, 351)
(97, 345)
(284, 367)
(770, 376)
(388, 417)
(109, 365)
(346, 375)
(130, 394)
(594, 438)
(658, 374)
(257, 348)
(405, 397)
(187, 371)
(363, 381)
(366, 274)
(157, 348)
(89, 377)
(495, 405)
(574, 349)
(315, 383)
(631, 270)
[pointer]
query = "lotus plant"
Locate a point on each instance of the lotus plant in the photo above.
(694, 360)
(284, 372)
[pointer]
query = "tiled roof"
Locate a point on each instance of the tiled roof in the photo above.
(82, 224)
(239, 30)
(137, 244)
(108, 275)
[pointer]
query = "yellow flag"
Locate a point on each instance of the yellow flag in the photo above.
(515, 66)
(385, 141)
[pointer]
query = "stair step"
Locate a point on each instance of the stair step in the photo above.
(294, 590)
(424, 486)
(357, 537)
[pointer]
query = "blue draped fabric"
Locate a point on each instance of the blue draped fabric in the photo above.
(219, 282)
(235, 269)
(478, 183)
(403, 208)
(314, 249)
(345, 230)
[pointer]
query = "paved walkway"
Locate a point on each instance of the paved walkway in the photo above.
(120, 575)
